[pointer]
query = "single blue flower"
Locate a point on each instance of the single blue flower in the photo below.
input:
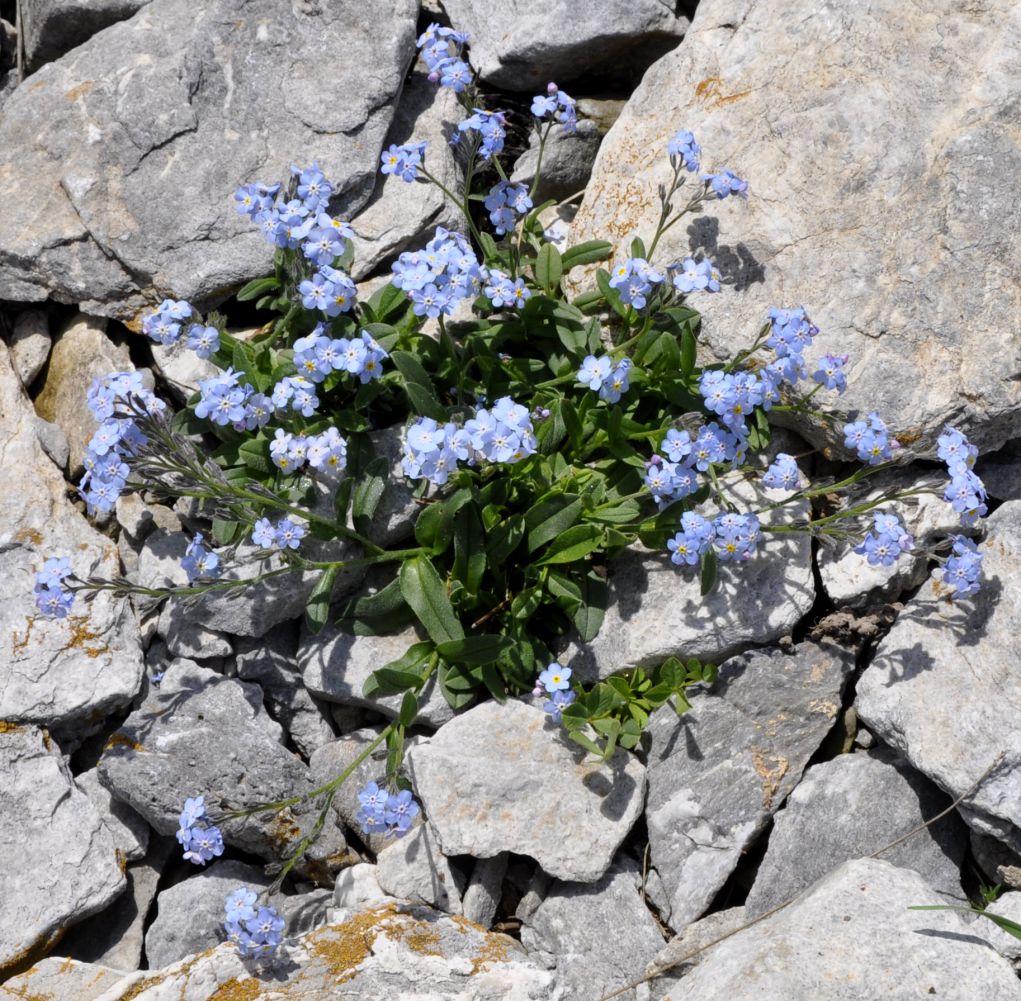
(556, 678)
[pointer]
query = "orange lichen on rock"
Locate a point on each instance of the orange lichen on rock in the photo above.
(344, 947)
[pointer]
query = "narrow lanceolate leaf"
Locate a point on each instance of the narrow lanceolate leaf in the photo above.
(369, 492)
(425, 591)
(317, 611)
(586, 253)
(573, 544)
(548, 519)
(548, 267)
(708, 572)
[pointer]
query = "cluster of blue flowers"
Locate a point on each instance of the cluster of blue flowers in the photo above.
(966, 492)
(732, 396)
(503, 434)
(782, 474)
(675, 477)
(561, 106)
(442, 51)
(602, 376)
(224, 400)
(316, 355)
(883, 545)
(163, 324)
(733, 536)
(200, 839)
(504, 203)
(725, 183)
(441, 275)
(198, 561)
(489, 128)
(870, 439)
(695, 276)
(256, 933)
(555, 682)
(383, 812)
(790, 332)
(963, 569)
(404, 160)
(684, 151)
(326, 453)
(116, 439)
(285, 534)
(51, 597)
(329, 290)
(503, 290)
(829, 372)
(634, 279)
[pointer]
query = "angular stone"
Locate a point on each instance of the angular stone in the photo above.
(201, 733)
(59, 863)
(945, 684)
(81, 352)
(181, 368)
(128, 829)
(558, 40)
(60, 672)
(575, 917)
(1009, 946)
(57, 979)
(689, 945)
(497, 778)
(656, 609)
(849, 808)
(30, 344)
(384, 952)
(272, 662)
(1001, 471)
(356, 887)
(414, 868)
(53, 27)
(190, 913)
(134, 143)
(400, 214)
(853, 936)
(482, 896)
(848, 578)
(720, 771)
(566, 161)
(335, 666)
(861, 120)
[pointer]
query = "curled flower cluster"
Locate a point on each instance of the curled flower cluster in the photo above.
(383, 812)
(782, 474)
(285, 534)
(965, 492)
(489, 129)
(504, 203)
(883, 545)
(601, 375)
(200, 839)
(634, 279)
(963, 569)
(503, 434)
(198, 561)
(326, 453)
(560, 106)
(870, 439)
(683, 150)
(725, 183)
(163, 325)
(51, 597)
(439, 276)
(732, 536)
(442, 51)
(555, 682)
(256, 933)
(790, 332)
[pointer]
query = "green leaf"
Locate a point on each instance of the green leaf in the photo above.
(574, 544)
(368, 492)
(471, 650)
(585, 253)
(494, 682)
(586, 742)
(707, 574)
(469, 554)
(549, 518)
(239, 359)
(420, 389)
(424, 590)
(548, 267)
(456, 696)
(225, 531)
(588, 618)
(257, 287)
(611, 295)
(317, 611)
(526, 602)
(505, 538)
(409, 710)
(400, 674)
(386, 302)
(638, 248)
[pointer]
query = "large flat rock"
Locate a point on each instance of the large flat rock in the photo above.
(133, 143)
(850, 121)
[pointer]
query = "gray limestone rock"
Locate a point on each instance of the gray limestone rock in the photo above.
(181, 368)
(847, 121)
(356, 887)
(134, 143)
(1001, 471)
(545, 40)
(399, 214)
(389, 951)
(851, 807)
(53, 27)
(502, 778)
(945, 685)
(852, 936)
(66, 673)
(201, 733)
(720, 771)
(30, 344)
(656, 609)
(1009, 946)
(129, 830)
(59, 862)
(688, 947)
(566, 161)
(58, 979)
(414, 868)
(601, 934)
(81, 352)
(272, 662)
(482, 895)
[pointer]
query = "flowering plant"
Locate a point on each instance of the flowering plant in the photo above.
(541, 435)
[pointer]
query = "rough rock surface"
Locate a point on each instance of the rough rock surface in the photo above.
(945, 686)
(57, 979)
(852, 937)
(203, 733)
(30, 344)
(566, 161)
(1007, 906)
(543, 40)
(717, 773)
(133, 144)
(656, 609)
(848, 808)
(499, 778)
(414, 868)
(59, 863)
(600, 935)
(847, 120)
(389, 951)
(129, 830)
(53, 27)
(66, 672)
(1001, 471)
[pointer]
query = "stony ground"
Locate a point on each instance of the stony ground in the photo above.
(853, 703)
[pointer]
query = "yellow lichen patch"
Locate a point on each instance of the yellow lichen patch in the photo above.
(142, 985)
(771, 776)
(344, 947)
(19, 645)
(237, 990)
(283, 829)
(710, 91)
(30, 535)
(418, 937)
(75, 92)
(6, 727)
(122, 740)
(28, 957)
(121, 859)
(494, 949)
(79, 634)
